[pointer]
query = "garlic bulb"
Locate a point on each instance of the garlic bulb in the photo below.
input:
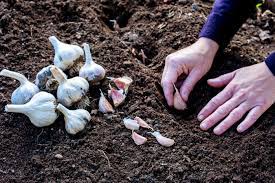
(75, 120)
(65, 54)
(164, 141)
(41, 109)
(71, 90)
(142, 123)
(104, 105)
(91, 71)
(25, 91)
(116, 95)
(138, 139)
(45, 80)
(179, 103)
(122, 83)
(130, 124)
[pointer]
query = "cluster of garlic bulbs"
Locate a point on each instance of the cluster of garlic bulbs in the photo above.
(136, 123)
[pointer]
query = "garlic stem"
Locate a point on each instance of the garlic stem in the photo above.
(60, 77)
(54, 42)
(88, 55)
(21, 78)
(16, 108)
(62, 109)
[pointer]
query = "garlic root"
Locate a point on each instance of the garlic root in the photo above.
(75, 120)
(25, 91)
(41, 109)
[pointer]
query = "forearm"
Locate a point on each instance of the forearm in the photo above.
(226, 17)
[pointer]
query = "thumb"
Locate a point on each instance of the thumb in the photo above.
(189, 83)
(221, 80)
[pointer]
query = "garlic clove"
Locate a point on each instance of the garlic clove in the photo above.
(104, 105)
(41, 109)
(25, 91)
(138, 139)
(130, 124)
(117, 96)
(70, 91)
(45, 80)
(179, 103)
(65, 54)
(75, 120)
(122, 83)
(142, 123)
(91, 71)
(164, 141)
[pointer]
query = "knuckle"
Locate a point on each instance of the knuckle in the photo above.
(221, 111)
(236, 114)
(169, 59)
(213, 102)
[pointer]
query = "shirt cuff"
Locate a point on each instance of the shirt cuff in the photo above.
(270, 62)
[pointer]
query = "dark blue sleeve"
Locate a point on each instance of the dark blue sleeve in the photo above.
(225, 19)
(270, 62)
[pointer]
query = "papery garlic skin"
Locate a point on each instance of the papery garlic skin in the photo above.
(164, 141)
(25, 91)
(138, 139)
(91, 71)
(104, 105)
(71, 90)
(75, 120)
(142, 123)
(179, 103)
(122, 83)
(45, 80)
(41, 109)
(130, 124)
(65, 54)
(117, 96)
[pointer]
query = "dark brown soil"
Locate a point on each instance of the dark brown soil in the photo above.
(27, 153)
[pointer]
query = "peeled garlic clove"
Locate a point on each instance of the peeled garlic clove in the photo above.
(65, 54)
(179, 103)
(71, 90)
(142, 123)
(91, 71)
(117, 96)
(45, 80)
(104, 105)
(130, 124)
(138, 139)
(41, 109)
(25, 91)
(75, 120)
(122, 83)
(164, 141)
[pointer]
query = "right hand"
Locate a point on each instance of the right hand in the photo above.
(193, 62)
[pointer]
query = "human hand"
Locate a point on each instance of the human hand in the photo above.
(193, 61)
(249, 89)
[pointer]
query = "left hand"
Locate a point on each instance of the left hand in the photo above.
(249, 89)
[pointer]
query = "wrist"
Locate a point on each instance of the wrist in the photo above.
(207, 47)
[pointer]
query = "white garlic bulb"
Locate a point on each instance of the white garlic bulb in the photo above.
(65, 54)
(179, 103)
(25, 91)
(45, 80)
(71, 90)
(131, 124)
(138, 139)
(41, 109)
(91, 71)
(75, 120)
(104, 105)
(164, 141)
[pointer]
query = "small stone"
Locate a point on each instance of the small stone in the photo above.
(58, 156)
(94, 111)
(265, 35)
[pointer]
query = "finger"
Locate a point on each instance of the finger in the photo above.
(232, 118)
(169, 77)
(221, 80)
(189, 83)
(250, 119)
(215, 102)
(222, 111)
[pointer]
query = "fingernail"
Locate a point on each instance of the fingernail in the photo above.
(203, 126)
(217, 131)
(200, 117)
